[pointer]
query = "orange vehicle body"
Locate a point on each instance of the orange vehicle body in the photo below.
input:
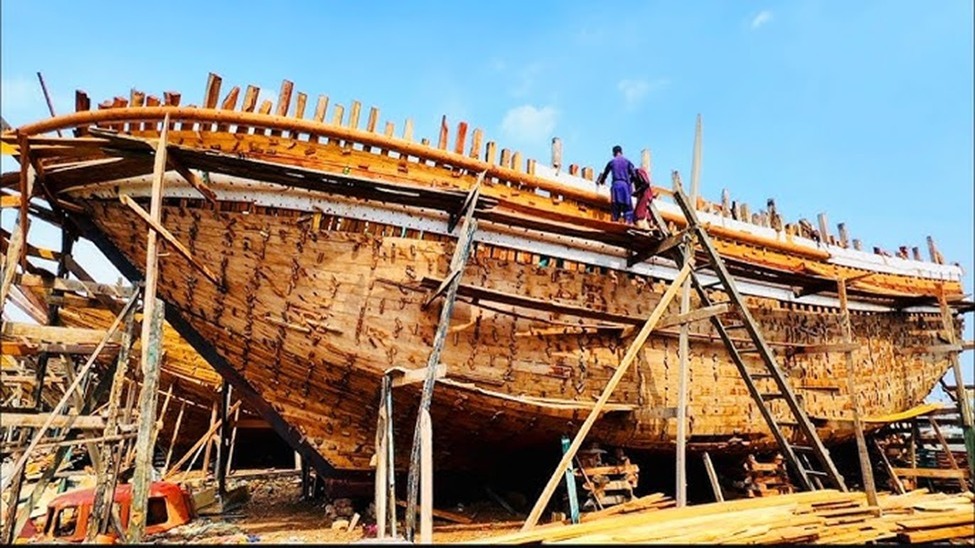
(67, 515)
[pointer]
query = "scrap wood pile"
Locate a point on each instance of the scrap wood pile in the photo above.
(821, 517)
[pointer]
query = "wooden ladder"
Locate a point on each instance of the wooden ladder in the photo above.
(803, 457)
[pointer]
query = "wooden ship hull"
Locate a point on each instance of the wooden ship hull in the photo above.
(313, 246)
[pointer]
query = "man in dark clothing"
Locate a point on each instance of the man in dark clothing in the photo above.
(621, 189)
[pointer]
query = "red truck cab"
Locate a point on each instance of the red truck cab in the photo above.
(67, 515)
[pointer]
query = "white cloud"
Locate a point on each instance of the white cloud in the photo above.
(635, 90)
(763, 17)
(529, 125)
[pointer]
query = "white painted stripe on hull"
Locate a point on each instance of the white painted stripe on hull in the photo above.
(232, 188)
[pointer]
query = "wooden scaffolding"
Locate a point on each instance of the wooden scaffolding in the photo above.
(125, 434)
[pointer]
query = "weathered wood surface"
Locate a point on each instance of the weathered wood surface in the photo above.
(302, 304)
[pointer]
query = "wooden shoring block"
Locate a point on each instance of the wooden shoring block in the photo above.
(401, 376)
(516, 161)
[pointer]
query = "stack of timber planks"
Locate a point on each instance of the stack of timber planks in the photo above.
(819, 517)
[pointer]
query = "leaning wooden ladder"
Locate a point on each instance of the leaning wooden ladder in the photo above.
(798, 456)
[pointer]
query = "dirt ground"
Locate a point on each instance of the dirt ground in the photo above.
(275, 515)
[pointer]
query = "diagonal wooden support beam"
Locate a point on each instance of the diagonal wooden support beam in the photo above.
(628, 359)
(443, 286)
(469, 203)
(193, 180)
(658, 248)
(168, 236)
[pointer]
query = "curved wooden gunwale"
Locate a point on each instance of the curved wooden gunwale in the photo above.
(155, 115)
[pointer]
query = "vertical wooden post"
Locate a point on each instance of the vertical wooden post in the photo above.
(964, 405)
(683, 350)
(224, 436)
(151, 341)
(645, 159)
(426, 478)
(233, 443)
(390, 460)
(107, 478)
(9, 532)
(570, 485)
(824, 236)
(696, 163)
(628, 358)
(866, 470)
(381, 481)
(172, 443)
(146, 436)
(208, 445)
(556, 153)
(844, 237)
(713, 477)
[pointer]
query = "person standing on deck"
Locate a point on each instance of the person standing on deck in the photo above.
(621, 190)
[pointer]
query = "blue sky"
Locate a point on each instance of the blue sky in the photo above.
(862, 110)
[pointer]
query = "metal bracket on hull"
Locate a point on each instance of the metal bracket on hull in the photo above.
(292, 436)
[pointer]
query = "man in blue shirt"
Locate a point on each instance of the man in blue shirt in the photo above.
(621, 189)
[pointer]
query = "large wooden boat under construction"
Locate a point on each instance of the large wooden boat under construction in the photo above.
(312, 245)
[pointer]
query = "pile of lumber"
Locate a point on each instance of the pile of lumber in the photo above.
(820, 517)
